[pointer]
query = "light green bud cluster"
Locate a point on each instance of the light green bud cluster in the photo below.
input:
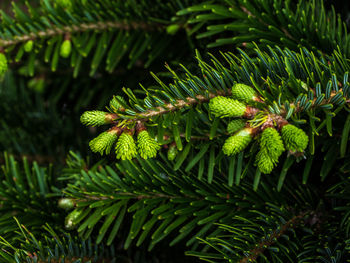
(235, 125)
(243, 93)
(237, 142)
(114, 104)
(226, 107)
(96, 118)
(125, 148)
(295, 139)
(3, 64)
(70, 221)
(271, 148)
(104, 142)
(146, 145)
(172, 152)
(66, 48)
(65, 3)
(28, 46)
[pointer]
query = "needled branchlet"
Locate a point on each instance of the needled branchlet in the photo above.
(295, 139)
(226, 107)
(97, 118)
(244, 93)
(271, 148)
(3, 64)
(147, 146)
(66, 48)
(28, 46)
(105, 141)
(238, 142)
(235, 125)
(125, 148)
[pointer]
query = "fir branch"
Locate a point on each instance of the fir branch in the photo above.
(84, 27)
(294, 222)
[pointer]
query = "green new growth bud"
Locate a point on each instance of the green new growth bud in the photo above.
(244, 93)
(295, 139)
(172, 29)
(235, 125)
(172, 152)
(271, 143)
(146, 145)
(105, 141)
(28, 46)
(66, 48)
(237, 142)
(125, 148)
(71, 218)
(96, 118)
(3, 64)
(114, 103)
(226, 107)
(264, 162)
(65, 3)
(66, 203)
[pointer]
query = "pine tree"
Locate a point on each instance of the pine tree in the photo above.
(234, 151)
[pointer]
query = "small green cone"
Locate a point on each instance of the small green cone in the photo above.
(28, 47)
(226, 107)
(66, 48)
(66, 203)
(272, 144)
(244, 93)
(146, 145)
(96, 118)
(104, 142)
(125, 148)
(114, 104)
(3, 64)
(237, 142)
(235, 125)
(295, 139)
(172, 152)
(69, 222)
(264, 162)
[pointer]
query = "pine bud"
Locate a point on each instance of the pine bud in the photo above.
(114, 104)
(71, 218)
(125, 147)
(66, 48)
(65, 3)
(244, 93)
(172, 29)
(105, 141)
(146, 145)
(226, 107)
(28, 46)
(264, 162)
(295, 139)
(237, 142)
(235, 125)
(172, 152)
(3, 64)
(66, 203)
(271, 143)
(97, 118)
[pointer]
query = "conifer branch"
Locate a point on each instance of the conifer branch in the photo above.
(72, 29)
(261, 247)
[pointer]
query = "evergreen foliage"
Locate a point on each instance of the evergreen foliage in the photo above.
(236, 151)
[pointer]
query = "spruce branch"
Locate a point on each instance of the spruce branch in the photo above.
(295, 222)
